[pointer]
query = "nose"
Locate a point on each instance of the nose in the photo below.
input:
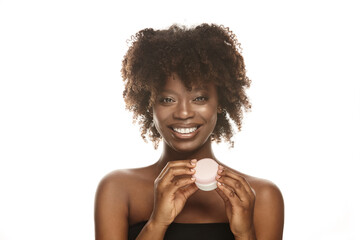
(184, 110)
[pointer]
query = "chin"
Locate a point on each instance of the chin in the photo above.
(187, 146)
(184, 149)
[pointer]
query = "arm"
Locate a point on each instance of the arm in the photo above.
(269, 212)
(111, 210)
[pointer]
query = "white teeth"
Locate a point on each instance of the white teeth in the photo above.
(185, 130)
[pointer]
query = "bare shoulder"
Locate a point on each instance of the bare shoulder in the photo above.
(124, 179)
(111, 206)
(265, 190)
(119, 184)
(268, 210)
(112, 203)
(116, 181)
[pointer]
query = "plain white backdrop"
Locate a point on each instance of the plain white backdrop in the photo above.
(63, 124)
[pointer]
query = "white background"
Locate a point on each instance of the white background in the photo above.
(63, 124)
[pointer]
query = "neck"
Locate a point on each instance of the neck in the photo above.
(170, 154)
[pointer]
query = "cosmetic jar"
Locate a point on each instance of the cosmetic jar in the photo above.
(205, 175)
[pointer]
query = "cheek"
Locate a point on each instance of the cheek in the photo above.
(214, 119)
(209, 114)
(159, 117)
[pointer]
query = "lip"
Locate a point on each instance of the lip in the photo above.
(179, 125)
(185, 135)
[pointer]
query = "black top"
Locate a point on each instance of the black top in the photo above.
(189, 231)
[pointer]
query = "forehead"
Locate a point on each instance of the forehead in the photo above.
(174, 82)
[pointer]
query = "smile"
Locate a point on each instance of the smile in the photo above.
(182, 132)
(185, 130)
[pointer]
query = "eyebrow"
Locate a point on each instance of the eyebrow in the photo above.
(167, 91)
(200, 89)
(192, 90)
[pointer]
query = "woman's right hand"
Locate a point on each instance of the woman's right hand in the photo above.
(171, 190)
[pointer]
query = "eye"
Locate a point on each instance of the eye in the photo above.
(201, 99)
(166, 100)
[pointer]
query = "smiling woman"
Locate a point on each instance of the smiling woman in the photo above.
(184, 86)
(199, 56)
(188, 117)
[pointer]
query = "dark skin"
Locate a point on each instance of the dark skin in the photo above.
(165, 191)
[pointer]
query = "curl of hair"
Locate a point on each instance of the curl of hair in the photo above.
(199, 55)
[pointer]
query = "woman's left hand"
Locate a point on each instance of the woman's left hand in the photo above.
(239, 200)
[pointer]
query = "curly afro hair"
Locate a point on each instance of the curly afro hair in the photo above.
(199, 55)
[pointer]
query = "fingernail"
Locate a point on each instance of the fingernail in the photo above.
(219, 183)
(193, 162)
(218, 176)
(220, 171)
(221, 167)
(193, 179)
(192, 170)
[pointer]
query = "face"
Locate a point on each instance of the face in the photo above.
(185, 119)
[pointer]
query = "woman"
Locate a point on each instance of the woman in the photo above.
(183, 86)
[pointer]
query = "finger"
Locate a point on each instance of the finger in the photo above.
(173, 172)
(189, 190)
(229, 194)
(178, 163)
(235, 186)
(180, 184)
(222, 194)
(228, 172)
